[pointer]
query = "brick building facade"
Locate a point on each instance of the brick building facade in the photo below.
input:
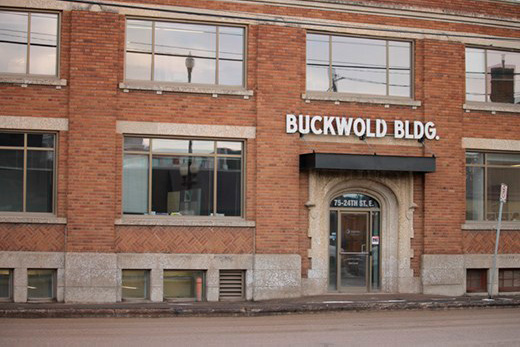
(212, 150)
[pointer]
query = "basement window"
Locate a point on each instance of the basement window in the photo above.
(6, 284)
(135, 284)
(184, 285)
(509, 280)
(41, 284)
(476, 280)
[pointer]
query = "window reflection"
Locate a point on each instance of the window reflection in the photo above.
(25, 52)
(184, 53)
(358, 65)
(492, 76)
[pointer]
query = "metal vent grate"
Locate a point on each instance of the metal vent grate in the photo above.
(231, 285)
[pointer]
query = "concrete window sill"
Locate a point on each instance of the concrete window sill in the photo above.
(186, 221)
(159, 88)
(490, 225)
(32, 219)
(491, 107)
(366, 99)
(30, 80)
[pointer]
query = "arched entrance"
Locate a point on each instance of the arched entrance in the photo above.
(354, 243)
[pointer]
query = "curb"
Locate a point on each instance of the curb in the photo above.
(246, 310)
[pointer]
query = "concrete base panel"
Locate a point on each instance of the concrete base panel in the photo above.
(96, 277)
(445, 274)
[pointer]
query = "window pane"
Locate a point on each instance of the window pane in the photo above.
(11, 180)
(5, 283)
(137, 144)
(182, 39)
(40, 284)
(182, 284)
(40, 140)
(228, 147)
(44, 29)
(43, 60)
(183, 146)
(40, 168)
(231, 43)
(359, 65)
(318, 62)
(511, 209)
(138, 66)
(504, 159)
(229, 186)
(170, 69)
(182, 185)
(503, 68)
(13, 41)
(11, 139)
(139, 36)
(135, 284)
(399, 80)
(135, 184)
(475, 75)
(13, 58)
(474, 193)
(474, 158)
(230, 73)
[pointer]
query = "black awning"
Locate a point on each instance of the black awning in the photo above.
(333, 161)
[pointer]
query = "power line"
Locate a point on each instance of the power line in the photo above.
(296, 22)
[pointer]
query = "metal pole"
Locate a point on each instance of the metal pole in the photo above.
(490, 286)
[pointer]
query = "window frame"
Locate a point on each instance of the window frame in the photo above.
(487, 82)
(215, 155)
(10, 286)
(193, 275)
(501, 273)
(25, 149)
(54, 285)
(483, 273)
(27, 74)
(387, 83)
(151, 81)
(485, 167)
(147, 285)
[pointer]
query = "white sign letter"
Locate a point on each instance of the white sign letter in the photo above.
(290, 124)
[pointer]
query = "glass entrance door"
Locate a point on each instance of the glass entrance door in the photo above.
(354, 251)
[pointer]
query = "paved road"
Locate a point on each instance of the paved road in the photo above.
(404, 328)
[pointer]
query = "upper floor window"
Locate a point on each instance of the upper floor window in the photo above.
(184, 53)
(485, 172)
(29, 43)
(182, 177)
(359, 65)
(492, 76)
(27, 172)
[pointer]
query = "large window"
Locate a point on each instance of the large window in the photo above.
(184, 52)
(182, 177)
(485, 172)
(492, 76)
(358, 65)
(28, 42)
(27, 172)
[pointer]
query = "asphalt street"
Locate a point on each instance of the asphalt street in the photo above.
(468, 327)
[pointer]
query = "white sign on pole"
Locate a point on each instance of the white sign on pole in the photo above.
(503, 193)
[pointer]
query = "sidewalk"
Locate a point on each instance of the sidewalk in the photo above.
(310, 304)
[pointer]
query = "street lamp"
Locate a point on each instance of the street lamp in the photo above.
(190, 63)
